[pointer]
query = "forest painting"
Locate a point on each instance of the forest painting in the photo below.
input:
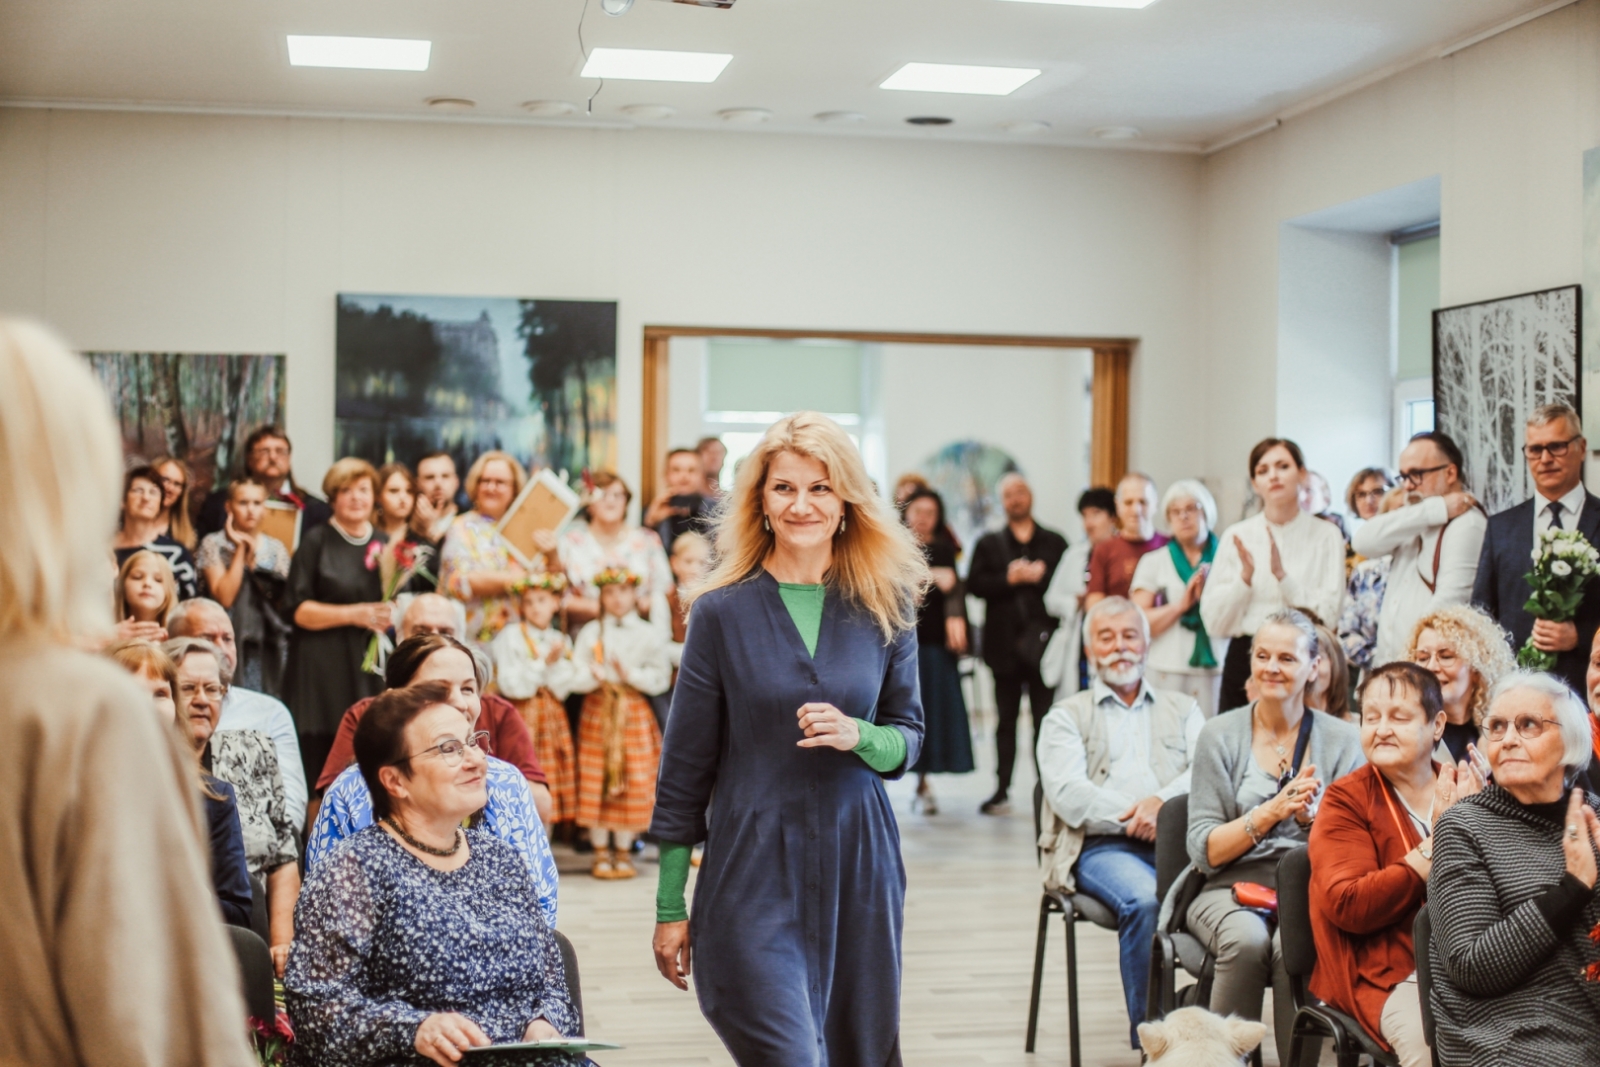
(1493, 363)
(199, 408)
(418, 374)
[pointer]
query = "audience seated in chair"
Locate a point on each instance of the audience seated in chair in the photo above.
(394, 959)
(508, 812)
(1109, 757)
(1512, 897)
(1258, 773)
(1371, 854)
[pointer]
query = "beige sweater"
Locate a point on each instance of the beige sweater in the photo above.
(111, 948)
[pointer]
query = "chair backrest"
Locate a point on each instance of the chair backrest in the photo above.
(1038, 817)
(259, 920)
(1422, 941)
(1294, 920)
(255, 973)
(1172, 842)
(569, 964)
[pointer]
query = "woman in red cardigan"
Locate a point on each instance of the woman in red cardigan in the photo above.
(1371, 853)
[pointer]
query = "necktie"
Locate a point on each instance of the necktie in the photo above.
(1555, 515)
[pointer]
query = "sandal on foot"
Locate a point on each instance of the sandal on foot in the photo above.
(623, 867)
(605, 867)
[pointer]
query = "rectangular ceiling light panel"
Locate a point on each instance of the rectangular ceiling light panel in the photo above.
(954, 78)
(362, 53)
(649, 65)
(1092, 3)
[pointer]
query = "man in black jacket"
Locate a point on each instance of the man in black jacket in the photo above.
(1555, 449)
(266, 459)
(1011, 569)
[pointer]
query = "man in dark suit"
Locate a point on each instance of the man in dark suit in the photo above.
(1011, 569)
(1555, 448)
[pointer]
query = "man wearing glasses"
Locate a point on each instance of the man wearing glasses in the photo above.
(1433, 543)
(1555, 449)
(267, 454)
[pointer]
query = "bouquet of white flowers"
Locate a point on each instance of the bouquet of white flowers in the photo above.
(1563, 563)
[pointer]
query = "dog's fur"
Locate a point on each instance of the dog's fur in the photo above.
(1194, 1037)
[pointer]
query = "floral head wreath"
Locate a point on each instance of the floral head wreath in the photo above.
(615, 576)
(553, 583)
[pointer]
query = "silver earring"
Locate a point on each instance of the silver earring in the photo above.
(765, 524)
(841, 526)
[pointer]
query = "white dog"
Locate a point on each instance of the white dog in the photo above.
(1194, 1037)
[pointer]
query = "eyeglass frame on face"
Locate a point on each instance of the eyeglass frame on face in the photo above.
(1423, 659)
(187, 690)
(1413, 478)
(476, 740)
(168, 483)
(1373, 494)
(264, 449)
(1517, 724)
(1555, 449)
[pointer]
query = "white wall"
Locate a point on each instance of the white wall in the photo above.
(233, 234)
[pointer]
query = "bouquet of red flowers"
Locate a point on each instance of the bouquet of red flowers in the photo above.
(272, 1040)
(397, 563)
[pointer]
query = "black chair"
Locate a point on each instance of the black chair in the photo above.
(1421, 946)
(1312, 1018)
(255, 973)
(569, 964)
(259, 920)
(1073, 908)
(1174, 946)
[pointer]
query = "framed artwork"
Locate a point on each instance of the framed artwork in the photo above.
(1493, 364)
(199, 408)
(464, 375)
(965, 475)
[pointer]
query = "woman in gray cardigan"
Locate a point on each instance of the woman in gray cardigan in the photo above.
(1512, 893)
(1257, 773)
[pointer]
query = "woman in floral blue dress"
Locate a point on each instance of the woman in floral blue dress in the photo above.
(417, 937)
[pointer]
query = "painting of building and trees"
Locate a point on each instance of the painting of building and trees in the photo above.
(536, 378)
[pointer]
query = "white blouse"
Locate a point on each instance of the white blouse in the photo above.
(637, 645)
(638, 551)
(520, 666)
(1156, 573)
(1312, 551)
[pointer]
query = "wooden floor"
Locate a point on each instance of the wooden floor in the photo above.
(972, 911)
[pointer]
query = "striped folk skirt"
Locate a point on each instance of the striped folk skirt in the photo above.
(552, 743)
(619, 751)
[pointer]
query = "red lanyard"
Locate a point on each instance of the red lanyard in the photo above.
(1399, 823)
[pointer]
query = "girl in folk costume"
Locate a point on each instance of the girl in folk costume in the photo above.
(621, 661)
(534, 670)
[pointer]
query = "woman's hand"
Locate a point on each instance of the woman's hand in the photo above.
(443, 1035)
(1294, 799)
(955, 634)
(1580, 838)
(545, 542)
(280, 958)
(1192, 591)
(671, 945)
(541, 1030)
(376, 617)
(1247, 562)
(130, 630)
(1277, 560)
(826, 726)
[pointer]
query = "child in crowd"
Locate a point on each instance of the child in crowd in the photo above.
(146, 593)
(621, 661)
(227, 557)
(691, 555)
(534, 670)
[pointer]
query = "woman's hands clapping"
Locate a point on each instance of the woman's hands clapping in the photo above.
(1580, 838)
(1296, 799)
(826, 726)
(443, 1035)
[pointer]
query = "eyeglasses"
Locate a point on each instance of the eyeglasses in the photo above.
(1557, 449)
(270, 450)
(1528, 727)
(452, 749)
(1370, 494)
(174, 483)
(188, 690)
(1444, 658)
(1178, 511)
(1414, 478)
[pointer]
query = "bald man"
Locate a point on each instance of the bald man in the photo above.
(1113, 561)
(1011, 569)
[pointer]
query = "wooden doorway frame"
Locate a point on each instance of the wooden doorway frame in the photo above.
(1113, 357)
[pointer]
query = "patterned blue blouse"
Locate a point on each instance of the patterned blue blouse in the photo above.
(382, 941)
(509, 816)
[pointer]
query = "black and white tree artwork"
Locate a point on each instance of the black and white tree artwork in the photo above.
(1493, 364)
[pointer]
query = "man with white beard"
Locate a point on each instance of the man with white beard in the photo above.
(1109, 757)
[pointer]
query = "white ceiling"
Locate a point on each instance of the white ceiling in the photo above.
(1186, 72)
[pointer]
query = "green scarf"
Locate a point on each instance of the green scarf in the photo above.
(1201, 656)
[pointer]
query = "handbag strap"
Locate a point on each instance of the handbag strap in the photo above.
(1438, 547)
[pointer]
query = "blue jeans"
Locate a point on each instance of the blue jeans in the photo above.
(1120, 872)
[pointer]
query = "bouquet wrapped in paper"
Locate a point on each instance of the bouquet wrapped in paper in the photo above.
(1563, 564)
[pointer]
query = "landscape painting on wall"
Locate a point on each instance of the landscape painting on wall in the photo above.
(199, 408)
(536, 378)
(1493, 364)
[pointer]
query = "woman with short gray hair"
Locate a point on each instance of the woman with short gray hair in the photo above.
(1167, 585)
(1514, 898)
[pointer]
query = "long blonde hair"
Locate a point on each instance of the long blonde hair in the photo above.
(877, 563)
(169, 582)
(60, 478)
(1478, 640)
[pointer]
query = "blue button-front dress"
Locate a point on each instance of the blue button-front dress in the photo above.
(797, 916)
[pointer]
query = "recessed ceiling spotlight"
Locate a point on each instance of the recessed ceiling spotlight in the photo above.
(841, 117)
(1117, 133)
(649, 112)
(1025, 126)
(549, 108)
(956, 78)
(360, 53)
(929, 120)
(650, 65)
(745, 116)
(1094, 3)
(451, 103)
(615, 7)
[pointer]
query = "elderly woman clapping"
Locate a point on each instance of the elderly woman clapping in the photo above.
(1512, 893)
(419, 936)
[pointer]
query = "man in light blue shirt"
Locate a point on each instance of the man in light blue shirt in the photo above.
(1109, 758)
(246, 709)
